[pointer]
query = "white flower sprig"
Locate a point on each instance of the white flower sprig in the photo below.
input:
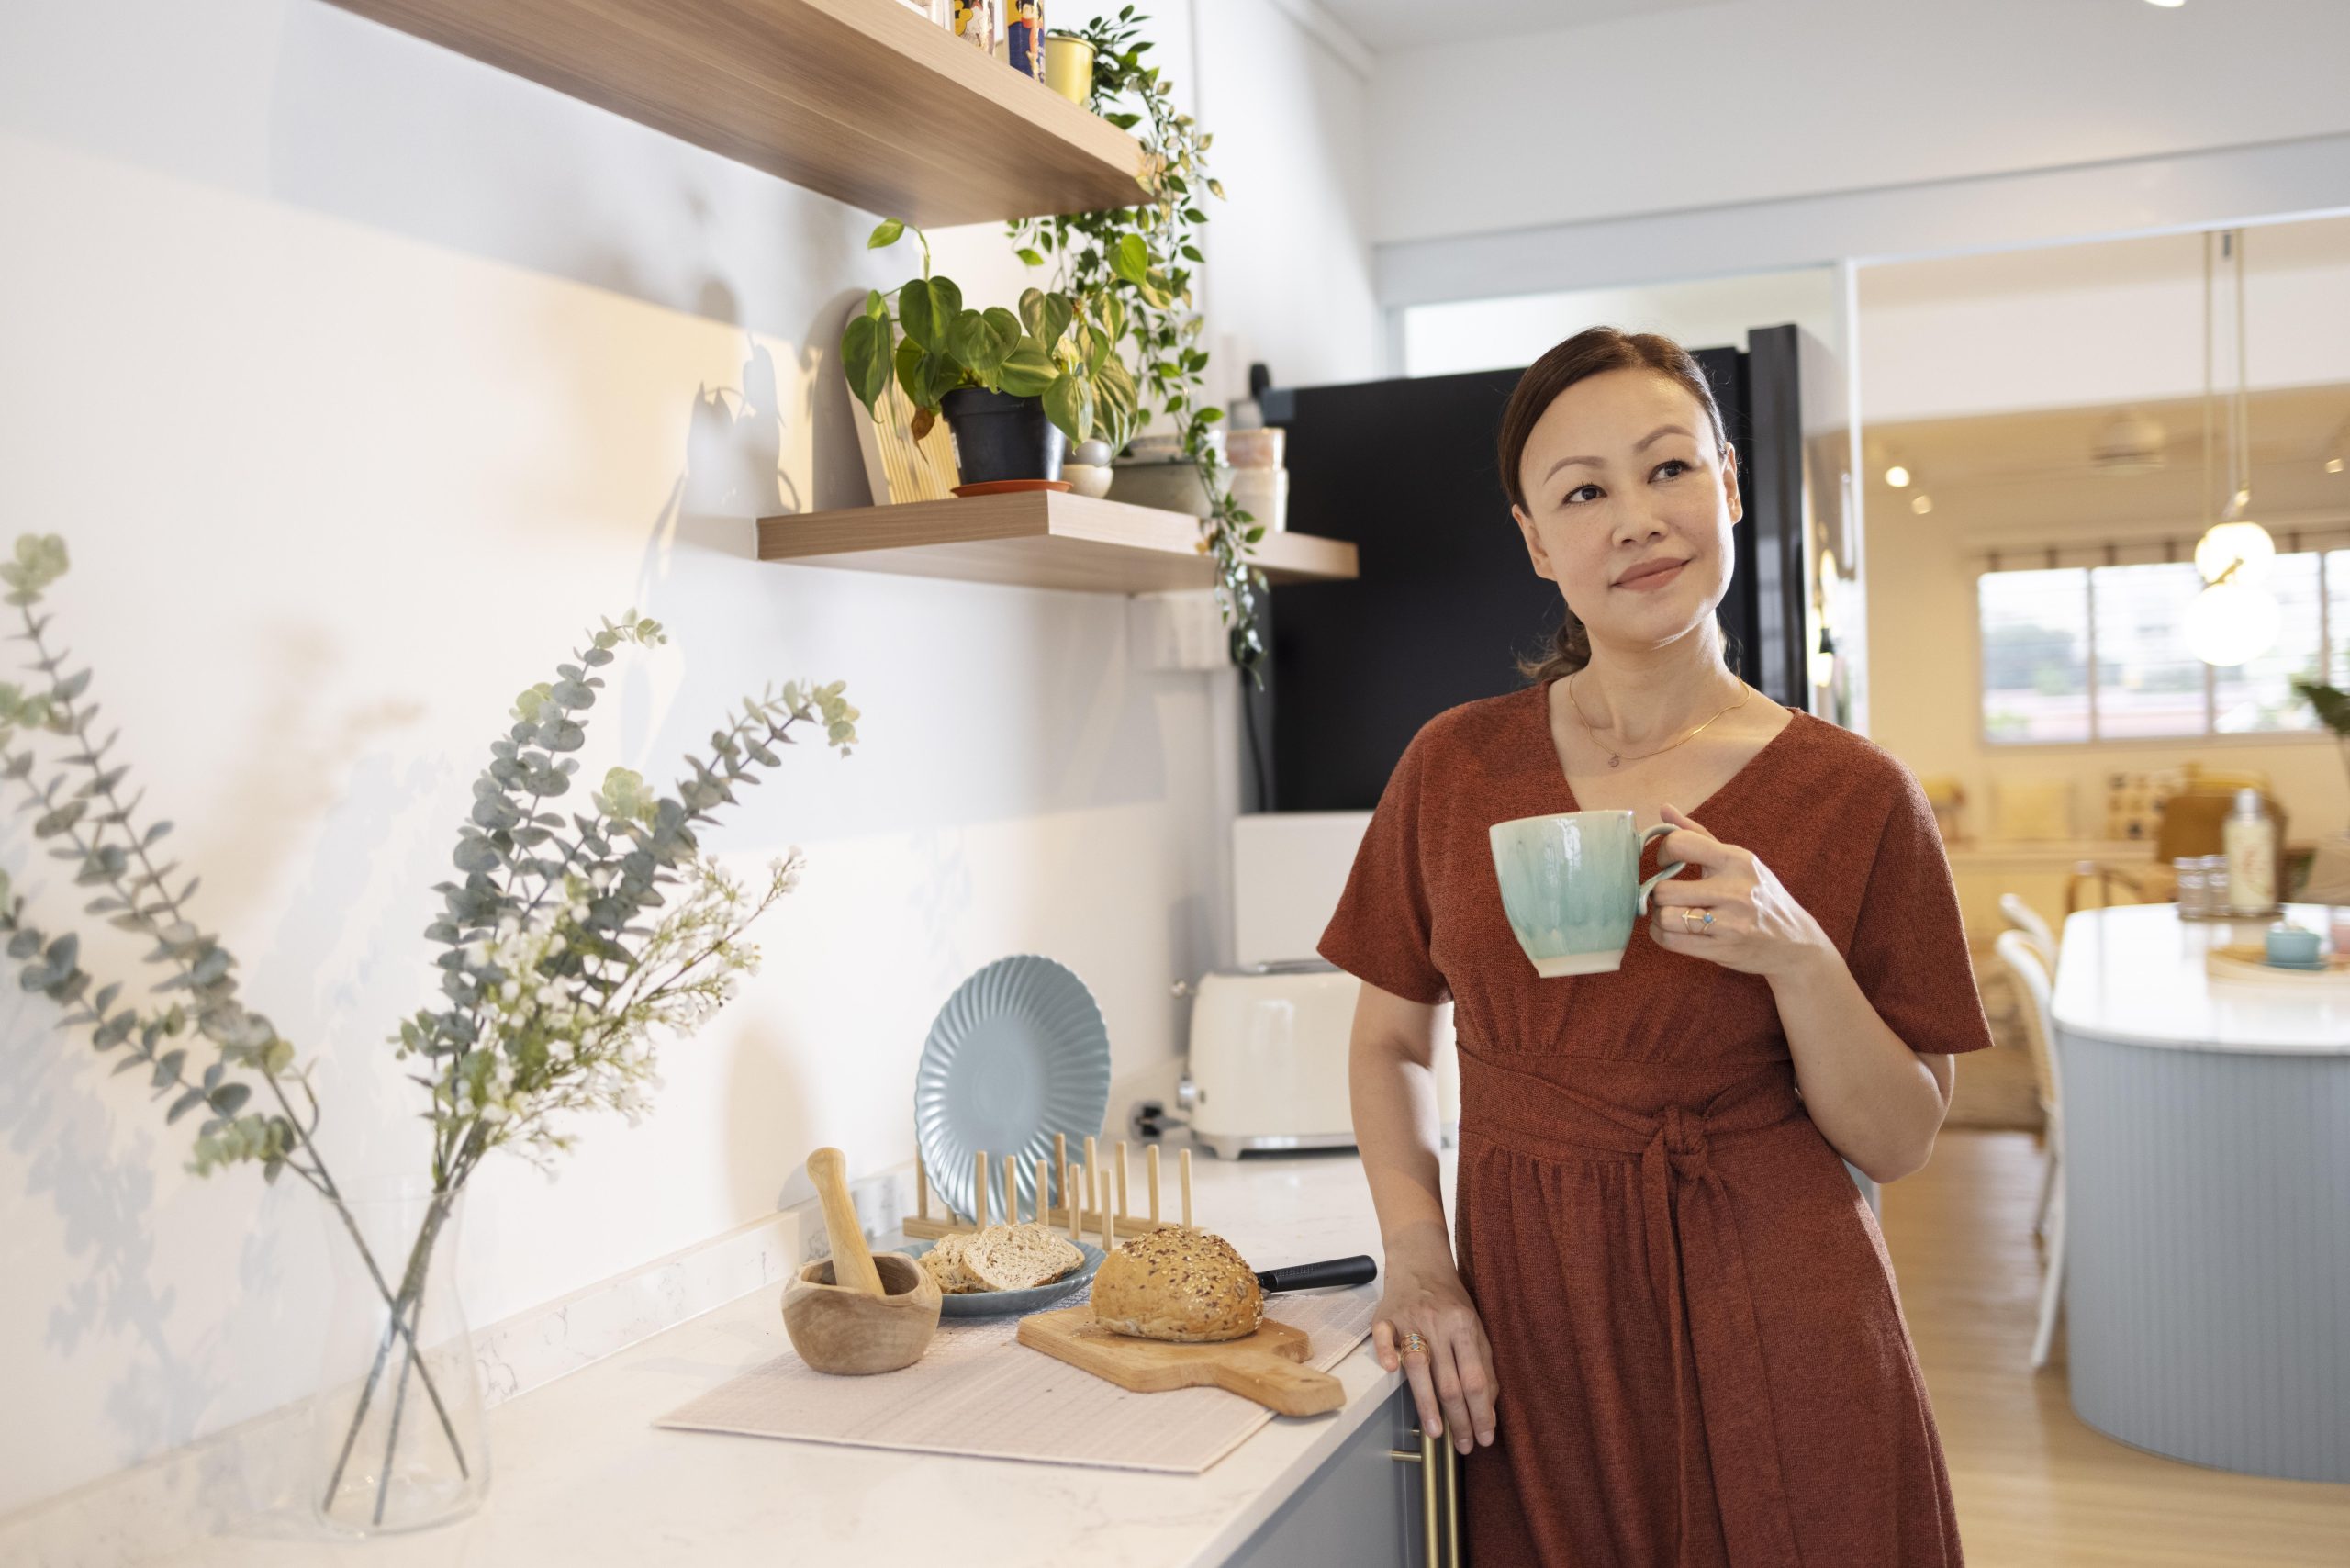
(568, 1029)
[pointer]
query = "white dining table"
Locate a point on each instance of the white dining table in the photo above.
(2207, 1189)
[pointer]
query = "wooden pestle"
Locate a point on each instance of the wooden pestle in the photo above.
(852, 1259)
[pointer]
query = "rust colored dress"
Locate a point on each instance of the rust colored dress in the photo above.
(1701, 1356)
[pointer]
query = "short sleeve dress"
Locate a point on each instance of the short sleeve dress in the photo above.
(1700, 1347)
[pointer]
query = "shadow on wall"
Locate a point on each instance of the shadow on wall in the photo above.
(298, 779)
(533, 178)
(61, 1135)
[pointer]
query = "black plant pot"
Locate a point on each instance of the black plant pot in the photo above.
(998, 436)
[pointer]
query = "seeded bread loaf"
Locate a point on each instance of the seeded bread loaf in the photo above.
(1018, 1257)
(1178, 1283)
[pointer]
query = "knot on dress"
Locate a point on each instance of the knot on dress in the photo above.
(1680, 1138)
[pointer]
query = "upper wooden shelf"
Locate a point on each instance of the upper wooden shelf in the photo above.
(1037, 539)
(860, 99)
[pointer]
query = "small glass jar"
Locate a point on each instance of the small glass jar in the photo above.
(2216, 903)
(2194, 896)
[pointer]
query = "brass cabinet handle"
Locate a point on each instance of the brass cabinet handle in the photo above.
(1443, 1543)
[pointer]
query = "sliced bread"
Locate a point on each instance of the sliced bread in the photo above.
(1017, 1257)
(943, 1262)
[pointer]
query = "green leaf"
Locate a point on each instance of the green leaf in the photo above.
(1003, 332)
(1059, 313)
(476, 853)
(1069, 402)
(1029, 256)
(1130, 258)
(58, 821)
(1032, 312)
(230, 1097)
(875, 306)
(865, 359)
(184, 1104)
(909, 371)
(927, 308)
(1027, 371)
(885, 233)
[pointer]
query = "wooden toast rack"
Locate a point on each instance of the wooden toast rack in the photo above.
(1091, 1199)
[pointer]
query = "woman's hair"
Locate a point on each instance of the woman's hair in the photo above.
(1593, 352)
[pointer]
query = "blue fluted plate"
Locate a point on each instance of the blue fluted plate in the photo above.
(998, 1304)
(1018, 1053)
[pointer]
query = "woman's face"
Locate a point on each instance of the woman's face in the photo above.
(1628, 508)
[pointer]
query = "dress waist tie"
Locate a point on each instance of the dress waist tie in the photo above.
(1697, 1265)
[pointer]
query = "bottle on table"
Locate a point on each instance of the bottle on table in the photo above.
(2251, 839)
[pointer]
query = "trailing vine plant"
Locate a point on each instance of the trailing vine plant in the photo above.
(1148, 257)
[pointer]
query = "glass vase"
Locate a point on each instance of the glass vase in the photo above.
(398, 1438)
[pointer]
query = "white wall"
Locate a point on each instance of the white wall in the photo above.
(1762, 99)
(360, 376)
(1494, 334)
(2077, 325)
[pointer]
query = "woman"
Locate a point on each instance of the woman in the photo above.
(1670, 1339)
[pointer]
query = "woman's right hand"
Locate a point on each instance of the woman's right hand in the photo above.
(1453, 1381)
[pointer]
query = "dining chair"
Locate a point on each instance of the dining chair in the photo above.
(2028, 919)
(2016, 952)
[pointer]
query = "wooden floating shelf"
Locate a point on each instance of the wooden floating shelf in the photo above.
(1037, 539)
(862, 100)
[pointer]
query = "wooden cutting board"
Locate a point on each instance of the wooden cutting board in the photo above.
(1263, 1367)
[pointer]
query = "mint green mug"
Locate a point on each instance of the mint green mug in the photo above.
(1571, 885)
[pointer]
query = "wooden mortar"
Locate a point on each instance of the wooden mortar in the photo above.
(851, 1334)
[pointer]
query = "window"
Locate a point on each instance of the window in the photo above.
(2099, 652)
(2036, 655)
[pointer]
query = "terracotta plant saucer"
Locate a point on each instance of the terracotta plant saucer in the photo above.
(1010, 486)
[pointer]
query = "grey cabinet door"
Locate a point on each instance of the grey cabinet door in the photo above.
(1361, 1510)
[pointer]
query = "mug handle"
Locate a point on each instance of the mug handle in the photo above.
(1641, 907)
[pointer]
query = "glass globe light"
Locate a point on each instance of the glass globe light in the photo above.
(2244, 546)
(2232, 621)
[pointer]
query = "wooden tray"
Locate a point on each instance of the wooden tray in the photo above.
(2249, 961)
(1263, 1367)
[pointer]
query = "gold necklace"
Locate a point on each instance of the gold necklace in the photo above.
(1615, 759)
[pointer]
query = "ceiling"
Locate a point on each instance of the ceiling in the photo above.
(2032, 473)
(1387, 25)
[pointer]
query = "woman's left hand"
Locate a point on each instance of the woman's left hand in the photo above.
(1757, 927)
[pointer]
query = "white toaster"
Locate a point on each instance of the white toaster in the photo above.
(1269, 1059)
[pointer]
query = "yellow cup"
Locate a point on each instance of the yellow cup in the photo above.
(1068, 67)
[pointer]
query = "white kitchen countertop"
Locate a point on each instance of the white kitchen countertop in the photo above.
(582, 1478)
(2134, 973)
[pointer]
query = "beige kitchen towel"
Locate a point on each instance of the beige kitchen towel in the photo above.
(977, 1392)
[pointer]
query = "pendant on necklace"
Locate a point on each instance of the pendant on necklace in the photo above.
(1614, 760)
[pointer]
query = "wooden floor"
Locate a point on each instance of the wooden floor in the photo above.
(2037, 1488)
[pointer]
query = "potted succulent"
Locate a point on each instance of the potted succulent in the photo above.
(1015, 387)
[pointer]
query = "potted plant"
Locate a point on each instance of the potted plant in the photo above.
(1014, 387)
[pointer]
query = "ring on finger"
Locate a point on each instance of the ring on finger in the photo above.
(1410, 1342)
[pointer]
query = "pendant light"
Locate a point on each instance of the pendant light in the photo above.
(2233, 619)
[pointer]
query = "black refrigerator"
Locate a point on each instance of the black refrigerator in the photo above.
(1446, 601)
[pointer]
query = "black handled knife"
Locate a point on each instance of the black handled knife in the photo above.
(1358, 1269)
